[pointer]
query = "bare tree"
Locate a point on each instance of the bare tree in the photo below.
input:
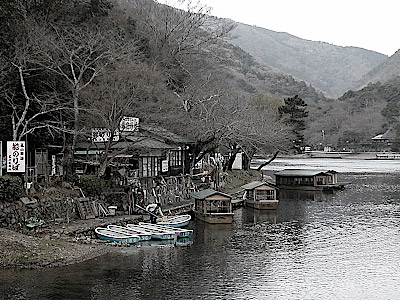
(119, 93)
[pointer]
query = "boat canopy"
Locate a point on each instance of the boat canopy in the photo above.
(208, 193)
(255, 184)
(303, 173)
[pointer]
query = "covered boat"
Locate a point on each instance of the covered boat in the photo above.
(260, 195)
(212, 206)
(308, 180)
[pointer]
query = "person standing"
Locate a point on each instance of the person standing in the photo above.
(155, 210)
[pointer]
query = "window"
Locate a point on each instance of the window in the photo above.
(150, 166)
(265, 195)
(175, 158)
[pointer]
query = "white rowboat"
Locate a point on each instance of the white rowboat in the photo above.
(115, 236)
(181, 232)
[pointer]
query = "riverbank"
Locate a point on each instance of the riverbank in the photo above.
(61, 243)
(25, 251)
(57, 244)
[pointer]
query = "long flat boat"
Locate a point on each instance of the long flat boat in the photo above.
(176, 221)
(126, 230)
(115, 236)
(156, 234)
(181, 232)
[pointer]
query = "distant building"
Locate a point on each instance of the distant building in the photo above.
(384, 141)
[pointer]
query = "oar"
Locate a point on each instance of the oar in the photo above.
(150, 213)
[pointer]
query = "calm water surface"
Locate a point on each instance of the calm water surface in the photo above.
(344, 245)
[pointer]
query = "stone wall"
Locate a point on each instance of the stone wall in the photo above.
(15, 214)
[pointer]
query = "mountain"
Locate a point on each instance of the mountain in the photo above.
(329, 68)
(388, 69)
(239, 69)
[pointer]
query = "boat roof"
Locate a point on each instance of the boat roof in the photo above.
(301, 172)
(256, 184)
(208, 193)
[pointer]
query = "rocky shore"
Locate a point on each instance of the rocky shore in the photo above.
(56, 244)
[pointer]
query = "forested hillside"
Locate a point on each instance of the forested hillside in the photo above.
(329, 68)
(357, 116)
(70, 66)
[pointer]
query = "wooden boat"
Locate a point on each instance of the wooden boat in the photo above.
(156, 234)
(176, 221)
(213, 207)
(180, 232)
(126, 230)
(115, 236)
(308, 180)
(260, 195)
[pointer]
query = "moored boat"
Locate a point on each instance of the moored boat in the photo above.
(260, 195)
(156, 234)
(115, 236)
(176, 221)
(213, 207)
(143, 236)
(180, 232)
(308, 180)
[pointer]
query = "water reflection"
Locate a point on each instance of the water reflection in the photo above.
(343, 245)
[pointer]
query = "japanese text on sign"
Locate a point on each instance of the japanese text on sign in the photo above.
(15, 156)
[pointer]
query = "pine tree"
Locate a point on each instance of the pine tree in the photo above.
(294, 111)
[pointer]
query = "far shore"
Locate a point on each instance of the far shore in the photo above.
(344, 155)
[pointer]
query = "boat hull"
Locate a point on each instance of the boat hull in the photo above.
(263, 205)
(112, 236)
(180, 232)
(176, 221)
(126, 230)
(312, 187)
(214, 218)
(155, 235)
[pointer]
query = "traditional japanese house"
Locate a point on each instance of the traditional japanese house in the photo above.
(212, 206)
(260, 195)
(311, 180)
(145, 155)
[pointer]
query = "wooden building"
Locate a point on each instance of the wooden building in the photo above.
(260, 195)
(143, 156)
(311, 180)
(212, 206)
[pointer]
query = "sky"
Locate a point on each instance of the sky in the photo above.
(369, 24)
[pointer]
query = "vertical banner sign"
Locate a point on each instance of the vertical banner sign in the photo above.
(1, 158)
(16, 156)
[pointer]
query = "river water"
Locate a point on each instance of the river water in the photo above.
(341, 245)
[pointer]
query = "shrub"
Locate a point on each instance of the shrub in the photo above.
(92, 185)
(11, 188)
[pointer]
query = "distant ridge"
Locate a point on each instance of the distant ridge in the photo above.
(387, 70)
(329, 68)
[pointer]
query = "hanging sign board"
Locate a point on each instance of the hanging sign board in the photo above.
(16, 156)
(164, 166)
(129, 124)
(101, 135)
